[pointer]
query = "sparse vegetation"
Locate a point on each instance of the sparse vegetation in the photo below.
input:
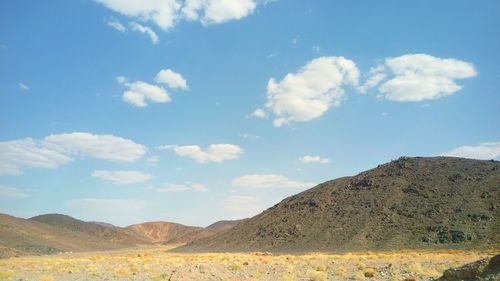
(6, 274)
(157, 264)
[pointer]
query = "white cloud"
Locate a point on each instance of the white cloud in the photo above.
(238, 206)
(23, 87)
(167, 13)
(178, 187)
(259, 113)
(376, 75)
(309, 93)
(152, 160)
(163, 13)
(484, 151)
(17, 154)
(122, 177)
(139, 93)
(214, 153)
(145, 30)
(269, 181)
(116, 24)
(122, 80)
(420, 77)
(55, 150)
(217, 11)
(314, 159)
(248, 136)
(172, 79)
(13, 192)
(106, 147)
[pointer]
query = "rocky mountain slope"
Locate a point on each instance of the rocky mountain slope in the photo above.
(432, 203)
(223, 225)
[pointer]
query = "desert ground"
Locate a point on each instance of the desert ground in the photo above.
(156, 263)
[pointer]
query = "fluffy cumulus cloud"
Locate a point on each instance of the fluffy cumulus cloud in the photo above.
(167, 13)
(418, 77)
(484, 151)
(309, 93)
(122, 177)
(163, 13)
(313, 159)
(258, 113)
(13, 192)
(171, 78)
(269, 181)
(55, 150)
(217, 153)
(217, 11)
(140, 93)
(178, 187)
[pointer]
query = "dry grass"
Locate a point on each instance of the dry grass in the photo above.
(155, 263)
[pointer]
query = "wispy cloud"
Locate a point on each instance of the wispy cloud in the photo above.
(134, 26)
(484, 151)
(269, 181)
(307, 159)
(116, 24)
(13, 192)
(122, 177)
(179, 187)
(23, 86)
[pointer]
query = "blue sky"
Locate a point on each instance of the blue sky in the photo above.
(201, 110)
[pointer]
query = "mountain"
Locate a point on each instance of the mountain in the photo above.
(105, 224)
(167, 232)
(54, 233)
(223, 225)
(50, 234)
(423, 203)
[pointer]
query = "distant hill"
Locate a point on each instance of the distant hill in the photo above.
(223, 225)
(54, 233)
(167, 232)
(438, 202)
(96, 232)
(50, 234)
(105, 224)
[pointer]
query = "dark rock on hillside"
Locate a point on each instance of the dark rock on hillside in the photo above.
(419, 203)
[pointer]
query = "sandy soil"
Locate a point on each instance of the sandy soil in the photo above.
(155, 263)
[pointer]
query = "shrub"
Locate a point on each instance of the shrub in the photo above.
(314, 275)
(6, 275)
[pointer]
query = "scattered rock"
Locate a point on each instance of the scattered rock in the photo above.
(483, 270)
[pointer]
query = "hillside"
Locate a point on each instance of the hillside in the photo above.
(223, 225)
(433, 203)
(31, 237)
(95, 231)
(166, 232)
